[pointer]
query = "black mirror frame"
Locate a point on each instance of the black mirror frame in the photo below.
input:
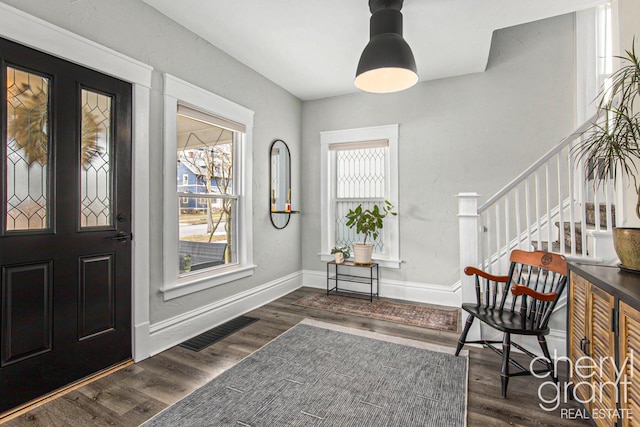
(271, 213)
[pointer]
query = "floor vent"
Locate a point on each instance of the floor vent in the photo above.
(205, 339)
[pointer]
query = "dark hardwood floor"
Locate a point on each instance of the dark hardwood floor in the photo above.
(134, 394)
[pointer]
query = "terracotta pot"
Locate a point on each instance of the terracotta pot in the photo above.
(362, 253)
(626, 242)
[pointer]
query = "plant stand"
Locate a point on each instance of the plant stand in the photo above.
(337, 273)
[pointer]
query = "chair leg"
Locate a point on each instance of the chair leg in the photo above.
(545, 350)
(465, 331)
(504, 372)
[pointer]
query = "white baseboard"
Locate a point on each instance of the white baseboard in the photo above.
(141, 342)
(409, 291)
(170, 332)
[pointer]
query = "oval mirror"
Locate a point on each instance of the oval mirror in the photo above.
(280, 188)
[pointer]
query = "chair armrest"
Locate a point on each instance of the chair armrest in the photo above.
(523, 290)
(470, 271)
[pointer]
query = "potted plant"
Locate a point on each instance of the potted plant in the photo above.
(368, 222)
(341, 253)
(612, 143)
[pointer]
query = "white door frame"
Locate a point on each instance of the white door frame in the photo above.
(20, 27)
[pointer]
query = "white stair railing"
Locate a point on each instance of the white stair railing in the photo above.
(549, 206)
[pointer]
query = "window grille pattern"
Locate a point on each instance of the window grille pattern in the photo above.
(95, 157)
(27, 173)
(360, 179)
(360, 173)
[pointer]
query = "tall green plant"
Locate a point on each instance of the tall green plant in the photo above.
(611, 145)
(369, 221)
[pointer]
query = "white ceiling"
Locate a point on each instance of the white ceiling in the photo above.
(311, 47)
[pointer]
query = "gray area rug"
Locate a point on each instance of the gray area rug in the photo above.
(320, 374)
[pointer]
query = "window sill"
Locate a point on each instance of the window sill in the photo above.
(382, 262)
(196, 282)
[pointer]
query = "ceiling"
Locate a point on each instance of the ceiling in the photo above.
(311, 47)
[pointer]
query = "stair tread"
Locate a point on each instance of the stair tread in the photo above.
(578, 225)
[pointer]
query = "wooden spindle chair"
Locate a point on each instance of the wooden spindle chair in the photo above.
(519, 303)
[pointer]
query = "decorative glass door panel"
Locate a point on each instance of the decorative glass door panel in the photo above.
(65, 261)
(27, 151)
(96, 181)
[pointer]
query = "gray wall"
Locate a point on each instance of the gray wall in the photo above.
(470, 133)
(138, 31)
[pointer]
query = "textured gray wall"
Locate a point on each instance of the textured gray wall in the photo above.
(470, 133)
(138, 31)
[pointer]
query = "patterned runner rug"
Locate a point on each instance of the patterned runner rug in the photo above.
(319, 374)
(427, 317)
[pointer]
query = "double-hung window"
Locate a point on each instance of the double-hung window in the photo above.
(207, 194)
(359, 166)
(207, 221)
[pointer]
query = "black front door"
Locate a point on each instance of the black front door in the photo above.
(65, 214)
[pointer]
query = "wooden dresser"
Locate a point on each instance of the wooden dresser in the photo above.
(603, 342)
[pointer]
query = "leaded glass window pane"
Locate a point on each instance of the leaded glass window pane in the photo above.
(95, 158)
(360, 173)
(360, 179)
(28, 144)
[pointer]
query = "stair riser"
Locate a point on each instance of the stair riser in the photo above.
(590, 214)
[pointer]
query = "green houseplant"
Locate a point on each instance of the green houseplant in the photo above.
(612, 143)
(341, 253)
(367, 222)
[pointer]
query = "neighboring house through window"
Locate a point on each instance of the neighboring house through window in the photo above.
(207, 227)
(359, 166)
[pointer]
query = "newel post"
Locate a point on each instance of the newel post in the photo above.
(469, 225)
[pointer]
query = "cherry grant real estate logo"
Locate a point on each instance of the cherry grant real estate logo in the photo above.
(583, 389)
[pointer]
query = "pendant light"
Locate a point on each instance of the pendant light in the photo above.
(387, 63)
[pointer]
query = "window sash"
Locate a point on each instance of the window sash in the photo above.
(212, 119)
(179, 91)
(331, 142)
(208, 195)
(360, 145)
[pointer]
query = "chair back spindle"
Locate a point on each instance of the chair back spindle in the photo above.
(519, 303)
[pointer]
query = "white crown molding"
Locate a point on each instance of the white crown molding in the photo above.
(34, 32)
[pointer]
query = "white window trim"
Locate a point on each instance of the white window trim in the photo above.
(176, 90)
(392, 223)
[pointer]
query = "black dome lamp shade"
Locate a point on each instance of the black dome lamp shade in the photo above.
(387, 63)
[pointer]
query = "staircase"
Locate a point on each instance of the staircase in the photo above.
(549, 206)
(565, 231)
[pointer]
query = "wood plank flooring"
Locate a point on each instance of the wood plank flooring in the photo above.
(134, 394)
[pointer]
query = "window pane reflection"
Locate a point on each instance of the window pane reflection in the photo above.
(27, 174)
(95, 157)
(207, 234)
